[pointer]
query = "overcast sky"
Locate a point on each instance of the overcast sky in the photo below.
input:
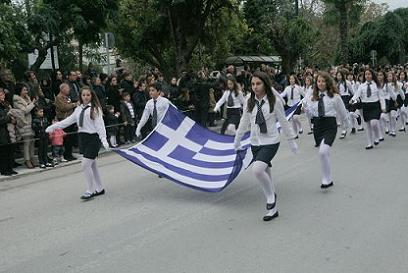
(394, 4)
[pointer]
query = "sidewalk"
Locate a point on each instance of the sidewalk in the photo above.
(23, 171)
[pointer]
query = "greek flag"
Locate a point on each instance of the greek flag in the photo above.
(183, 151)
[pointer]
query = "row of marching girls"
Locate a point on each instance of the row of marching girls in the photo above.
(265, 107)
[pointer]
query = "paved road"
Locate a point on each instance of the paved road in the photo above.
(150, 225)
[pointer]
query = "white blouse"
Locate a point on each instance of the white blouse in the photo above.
(298, 92)
(239, 100)
(376, 94)
(90, 126)
(272, 135)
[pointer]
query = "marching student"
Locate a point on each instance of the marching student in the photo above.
(308, 95)
(261, 112)
(91, 134)
(345, 90)
(384, 120)
(404, 110)
(294, 93)
(393, 90)
(235, 100)
(354, 112)
(155, 108)
(372, 104)
(325, 107)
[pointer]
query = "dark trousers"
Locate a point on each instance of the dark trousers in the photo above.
(69, 140)
(129, 132)
(6, 158)
(202, 116)
(43, 149)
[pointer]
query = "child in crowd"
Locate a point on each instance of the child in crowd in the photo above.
(40, 123)
(57, 142)
(112, 123)
(127, 110)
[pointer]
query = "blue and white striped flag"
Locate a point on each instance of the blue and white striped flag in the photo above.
(191, 155)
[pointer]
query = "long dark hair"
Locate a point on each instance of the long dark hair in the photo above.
(373, 75)
(268, 91)
(330, 86)
(343, 79)
(236, 87)
(95, 104)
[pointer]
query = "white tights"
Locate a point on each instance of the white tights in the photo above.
(92, 176)
(324, 155)
(263, 174)
(373, 131)
(297, 126)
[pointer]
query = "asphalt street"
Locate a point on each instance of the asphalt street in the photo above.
(150, 225)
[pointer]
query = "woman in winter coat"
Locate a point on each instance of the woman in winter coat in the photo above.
(24, 105)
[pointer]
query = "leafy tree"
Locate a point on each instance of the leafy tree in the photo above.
(165, 33)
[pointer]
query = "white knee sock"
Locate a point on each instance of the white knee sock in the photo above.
(260, 170)
(87, 169)
(97, 177)
(376, 129)
(353, 118)
(369, 134)
(324, 155)
(393, 121)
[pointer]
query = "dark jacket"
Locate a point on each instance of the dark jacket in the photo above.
(128, 86)
(74, 90)
(100, 92)
(114, 97)
(202, 94)
(4, 119)
(39, 125)
(111, 122)
(125, 113)
(139, 102)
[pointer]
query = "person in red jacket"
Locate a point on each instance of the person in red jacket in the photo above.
(57, 141)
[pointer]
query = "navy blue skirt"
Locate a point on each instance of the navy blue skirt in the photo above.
(89, 145)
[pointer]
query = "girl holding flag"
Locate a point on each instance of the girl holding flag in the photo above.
(91, 133)
(261, 112)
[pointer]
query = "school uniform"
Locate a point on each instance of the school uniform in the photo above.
(371, 99)
(234, 107)
(265, 138)
(91, 135)
(324, 113)
(293, 94)
(91, 132)
(346, 92)
(325, 110)
(156, 109)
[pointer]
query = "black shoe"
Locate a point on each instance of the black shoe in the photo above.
(267, 218)
(381, 139)
(86, 196)
(324, 186)
(353, 131)
(296, 137)
(42, 166)
(343, 135)
(369, 147)
(310, 133)
(160, 176)
(387, 132)
(102, 192)
(360, 130)
(406, 123)
(376, 143)
(301, 131)
(17, 164)
(14, 172)
(402, 130)
(393, 134)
